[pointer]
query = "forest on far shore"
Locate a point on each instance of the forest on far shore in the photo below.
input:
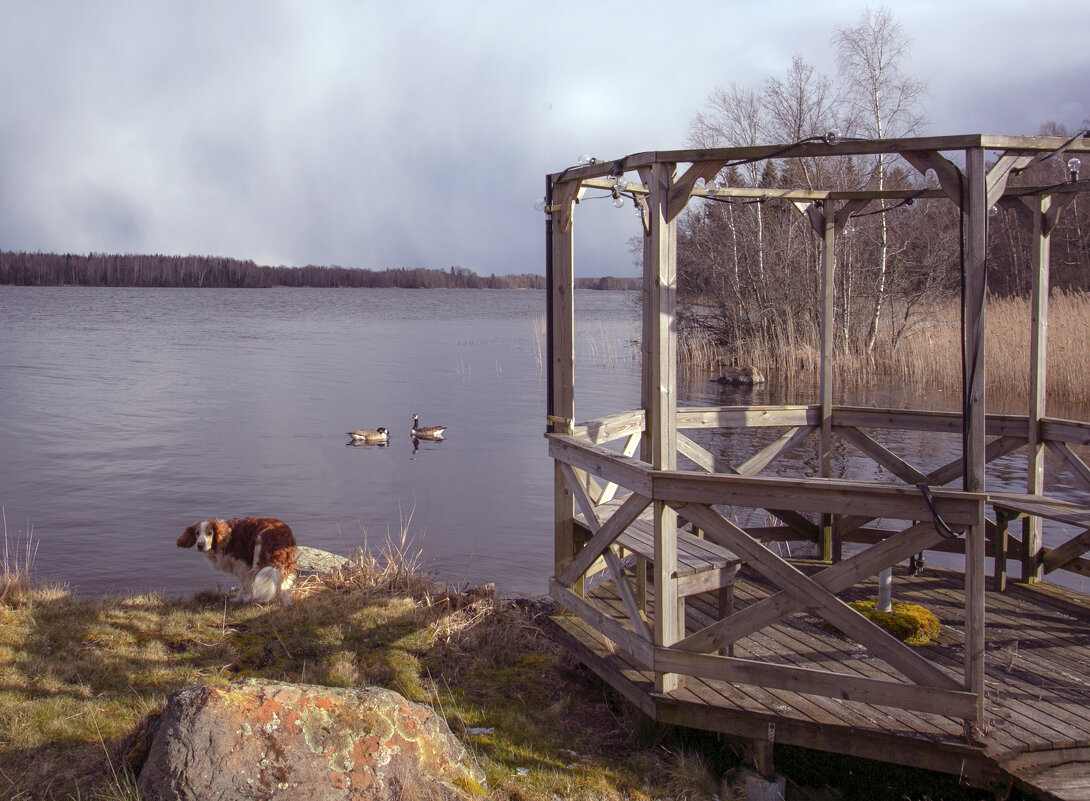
(101, 269)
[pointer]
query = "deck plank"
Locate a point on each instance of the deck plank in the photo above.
(1037, 683)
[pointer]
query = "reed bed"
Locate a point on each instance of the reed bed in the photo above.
(928, 353)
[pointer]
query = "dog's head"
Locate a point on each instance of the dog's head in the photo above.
(204, 535)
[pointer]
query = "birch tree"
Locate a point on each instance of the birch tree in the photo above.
(882, 102)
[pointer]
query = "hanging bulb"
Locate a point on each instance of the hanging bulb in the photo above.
(831, 138)
(618, 198)
(1073, 169)
(711, 187)
(540, 205)
(584, 160)
(993, 211)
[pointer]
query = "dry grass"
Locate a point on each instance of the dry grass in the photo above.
(79, 676)
(80, 679)
(928, 354)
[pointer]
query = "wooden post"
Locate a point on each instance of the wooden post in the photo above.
(973, 296)
(1035, 462)
(659, 390)
(561, 357)
(830, 544)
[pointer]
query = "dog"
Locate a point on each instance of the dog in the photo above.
(259, 551)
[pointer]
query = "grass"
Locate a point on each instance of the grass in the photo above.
(928, 353)
(81, 678)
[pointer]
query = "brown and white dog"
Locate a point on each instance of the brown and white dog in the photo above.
(258, 551)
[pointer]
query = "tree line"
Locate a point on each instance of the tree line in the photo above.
(749, 269)
(101, 269)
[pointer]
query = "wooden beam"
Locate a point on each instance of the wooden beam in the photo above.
(817, 598)
(884, 692)
(833, 496)
(837, 578)
(659, 393)
(1000, 173)
(1072, 461)
(603, 535)
(949, 176)
(768, 454)
(603, 623)
(831, 545)
(610, 488)
(748, 416)
(561, 380)
(1038, 377)
(886, 458)
(973, 297)
(682, 189)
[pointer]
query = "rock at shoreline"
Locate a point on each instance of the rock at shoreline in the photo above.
(314, 560)
(273, 740)
(741, 376)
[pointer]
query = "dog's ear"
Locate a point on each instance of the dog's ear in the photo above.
(221, 531)
(189, 537)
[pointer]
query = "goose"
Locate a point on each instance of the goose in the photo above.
(371, 436)
(426, 432)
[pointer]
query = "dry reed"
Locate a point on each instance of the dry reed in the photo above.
(16, 565)
(928, 353)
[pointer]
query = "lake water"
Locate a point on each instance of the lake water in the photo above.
(126, 414)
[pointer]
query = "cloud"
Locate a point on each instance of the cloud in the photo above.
(419, 134)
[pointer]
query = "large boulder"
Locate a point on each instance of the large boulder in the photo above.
(270, 740)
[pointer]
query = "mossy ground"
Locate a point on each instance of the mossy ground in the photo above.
(80, 677)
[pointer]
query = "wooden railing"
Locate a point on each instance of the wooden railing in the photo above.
(1009, 433)
(596, 474)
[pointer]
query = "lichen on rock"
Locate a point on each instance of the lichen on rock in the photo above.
(273, 740)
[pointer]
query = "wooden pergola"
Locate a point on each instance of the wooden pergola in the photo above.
(627, 497)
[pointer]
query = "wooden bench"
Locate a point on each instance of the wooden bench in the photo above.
(702, 565)
(1011, 506)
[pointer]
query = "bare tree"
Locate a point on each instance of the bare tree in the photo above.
(882, 101)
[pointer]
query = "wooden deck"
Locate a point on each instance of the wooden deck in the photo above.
(1036, 731)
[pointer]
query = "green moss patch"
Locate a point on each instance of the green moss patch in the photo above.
(910, 623)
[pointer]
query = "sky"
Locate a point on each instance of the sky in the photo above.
(419, 133)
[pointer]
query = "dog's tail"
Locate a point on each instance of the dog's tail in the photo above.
(270, 583)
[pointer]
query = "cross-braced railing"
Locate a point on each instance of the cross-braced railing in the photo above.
(595, 474)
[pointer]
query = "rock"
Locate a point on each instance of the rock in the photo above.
(314, 560)
(268, 740)
(747, 375)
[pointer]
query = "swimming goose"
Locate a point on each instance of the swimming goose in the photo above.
(427, 432)
(370, 435)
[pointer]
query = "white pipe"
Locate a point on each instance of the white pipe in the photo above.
(885, 590)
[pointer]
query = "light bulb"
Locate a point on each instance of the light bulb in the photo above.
(584, 160)
(994, 210)
(1073, 169)
(711, 187)
(618, 198)
(540, 205)
(831, 138)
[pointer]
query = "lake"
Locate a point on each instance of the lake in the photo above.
(127, 414)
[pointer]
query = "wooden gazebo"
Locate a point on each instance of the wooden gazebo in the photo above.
(707, 626)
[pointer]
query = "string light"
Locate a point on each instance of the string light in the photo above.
(1073, 169)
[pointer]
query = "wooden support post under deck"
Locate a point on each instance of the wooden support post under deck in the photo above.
(1035, 462)
(561, 357)
(659, 391)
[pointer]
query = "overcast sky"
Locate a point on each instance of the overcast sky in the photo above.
(377, 135)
